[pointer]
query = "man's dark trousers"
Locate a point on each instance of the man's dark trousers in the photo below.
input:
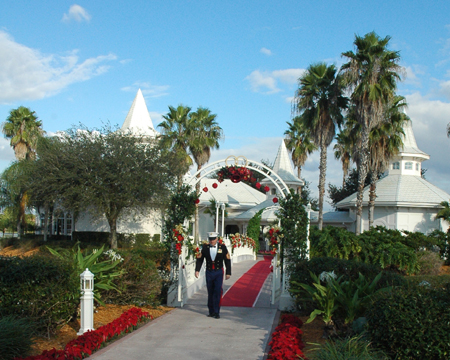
(214, 281)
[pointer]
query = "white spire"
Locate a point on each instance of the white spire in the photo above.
(138, 119)
(409, 143)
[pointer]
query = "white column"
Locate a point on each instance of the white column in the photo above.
(217, 216)
(87, 302)
(223, 216)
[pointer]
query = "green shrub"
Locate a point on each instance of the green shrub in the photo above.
(91, 237)
(354, 348)
(16, 337)
(430, 262)
(334, 242)
(156, 238)
(432, 281)
(411, 323)
(442, 240)
(350, 270)
(140, 283)
(40, 288)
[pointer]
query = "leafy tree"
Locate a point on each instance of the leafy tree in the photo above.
(205, 136)
(254, 228)
(343, 151)
(319, 101)
(444, 213)
(299, 143)
(371, 73)
(107, 173)
(23, 129)
(306, 196)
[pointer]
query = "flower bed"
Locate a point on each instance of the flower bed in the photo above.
(84, 345)
(286, 340)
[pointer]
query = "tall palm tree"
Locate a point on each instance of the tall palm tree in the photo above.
(205, 136)
(342, 151)
(23, 129)
(319, 102)
(444, 213)
(385, 141)
(372, 73)
(299, 143)
(177, 129)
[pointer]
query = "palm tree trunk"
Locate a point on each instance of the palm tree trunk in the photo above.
(299, 172)
(362, 174)
(322, 176)
(372, 197)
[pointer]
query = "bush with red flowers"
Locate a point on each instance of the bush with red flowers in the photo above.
(286, 340)
(275, 239)
(84, 345)
(178, 235)
(235, 174)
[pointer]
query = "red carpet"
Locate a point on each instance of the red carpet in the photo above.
(245, 291)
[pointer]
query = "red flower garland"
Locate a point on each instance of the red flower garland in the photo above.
(84, 345)
(286, 343)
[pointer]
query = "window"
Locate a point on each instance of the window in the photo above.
(417, 166)
(273, 191)
(408, 165)
(396, 165)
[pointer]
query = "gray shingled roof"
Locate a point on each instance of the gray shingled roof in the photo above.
(398, 190)
(268, 215)
(332, 217)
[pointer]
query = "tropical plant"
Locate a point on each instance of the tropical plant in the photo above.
(102, 269)
(444, 213)
(319, 102)
(23, 129)
(205, 136)
(299, 143)
(342, 151)
(254, 228)
(371, 73)
(335, 242)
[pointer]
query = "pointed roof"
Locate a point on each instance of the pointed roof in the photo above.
(138, 120)
(409, 143)
(283, 167)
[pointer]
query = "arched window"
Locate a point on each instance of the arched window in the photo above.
(408, 165)
(396, 166)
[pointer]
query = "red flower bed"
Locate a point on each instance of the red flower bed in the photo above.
(287, 341)
(84, 345)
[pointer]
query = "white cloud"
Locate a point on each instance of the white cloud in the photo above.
(148, 90)
(267, 81)
(265, 51)
(76, 13)
(6, 151)
(411, 77)
(26, 74)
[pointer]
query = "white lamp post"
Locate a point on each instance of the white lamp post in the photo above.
(217, 215)
(87, 302)
(223, 216)
(308, 211)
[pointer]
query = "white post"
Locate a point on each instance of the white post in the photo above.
(87, 302)
(308, 210)
(217, 216)
(223, 216)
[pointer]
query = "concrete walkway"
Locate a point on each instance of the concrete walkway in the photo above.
(187, 333)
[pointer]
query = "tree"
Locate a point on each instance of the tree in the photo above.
(205, 136)
(23, 129)
(108, 173)
(371, 73)
(14, 193)
(342, 151)
(177, 129)
(448, 129)
(299, 143)
(444, 213)
(319, 101)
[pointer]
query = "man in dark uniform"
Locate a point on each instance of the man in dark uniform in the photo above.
(215, 254)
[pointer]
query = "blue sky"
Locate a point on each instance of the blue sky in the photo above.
(83, 63)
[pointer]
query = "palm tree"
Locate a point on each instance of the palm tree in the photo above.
(299, 143)
(205, 136)
(448, 129)
(318, 102)
(385, 141)
(23, 129)
(444, 213)
(371, 72)
(342, 151)
(177, 129)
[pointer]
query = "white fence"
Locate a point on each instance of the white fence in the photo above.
(188, 284)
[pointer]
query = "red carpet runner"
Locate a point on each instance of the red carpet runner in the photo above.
(245, 291)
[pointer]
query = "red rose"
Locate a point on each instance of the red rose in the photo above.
(205, 189)
(214, 186)
(271, 231)
(266, 188)
(197, 201)
(275, 200)
(180, 238)
(258, 185)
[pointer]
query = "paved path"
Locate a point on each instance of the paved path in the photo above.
(186, 333)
